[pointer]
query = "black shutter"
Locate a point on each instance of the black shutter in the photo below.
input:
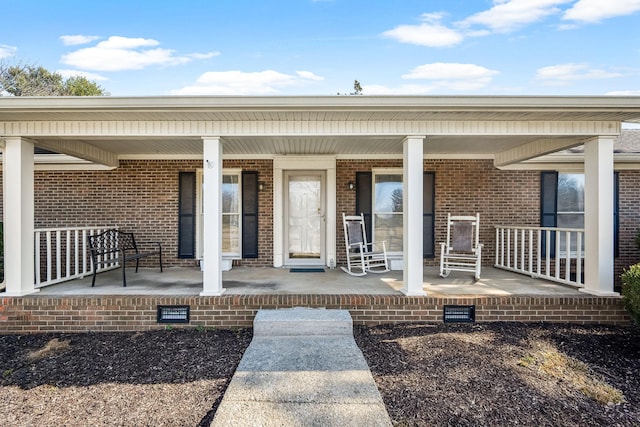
(364, 197)
(187, 215)
(249, 214)
(428, 214)
(549, 199)
(548, 207)
(616, 221)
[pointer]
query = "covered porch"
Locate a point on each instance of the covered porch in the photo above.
(319, 136)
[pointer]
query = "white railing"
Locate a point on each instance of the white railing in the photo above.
(551, 253)
(61, 254)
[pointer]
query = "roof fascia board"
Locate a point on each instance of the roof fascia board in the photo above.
(302, 103)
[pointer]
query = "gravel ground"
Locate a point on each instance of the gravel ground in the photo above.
(502, 374)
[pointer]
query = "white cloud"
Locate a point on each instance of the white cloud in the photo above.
(563, 74)
(509, 15)
(430, 33)
(595, 10)
(203, 55)
(123, 53)
(309, 75)
(72, 40)
(7, 51)
(453, 76)
(266, 82)
(78, 73)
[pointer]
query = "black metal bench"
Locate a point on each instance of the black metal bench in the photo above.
(114, 246)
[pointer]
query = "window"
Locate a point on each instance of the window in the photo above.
(239, 214)
(231, 229)
(387, 209)
(231, 213)
(386, 181)
(570, 213)
(570, 200)
(562, 205)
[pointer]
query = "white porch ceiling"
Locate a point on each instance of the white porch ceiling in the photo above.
(334, 145)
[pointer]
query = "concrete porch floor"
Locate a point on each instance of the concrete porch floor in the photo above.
(262, 281)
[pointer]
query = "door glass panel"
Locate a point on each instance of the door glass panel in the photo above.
(305, 217)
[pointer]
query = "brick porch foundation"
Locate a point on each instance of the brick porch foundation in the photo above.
(138, 313)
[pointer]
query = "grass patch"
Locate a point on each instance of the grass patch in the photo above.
(551, 362)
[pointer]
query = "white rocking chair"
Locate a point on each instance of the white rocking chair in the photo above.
(461, 252)
(362, 258)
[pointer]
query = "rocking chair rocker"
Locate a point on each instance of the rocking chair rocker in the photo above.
(362, 258)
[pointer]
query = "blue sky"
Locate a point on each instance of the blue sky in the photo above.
(319, 47)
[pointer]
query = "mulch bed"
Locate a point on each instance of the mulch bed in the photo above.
(500, 374)
(506, 374)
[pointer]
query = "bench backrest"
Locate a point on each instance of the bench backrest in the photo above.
(111, 241)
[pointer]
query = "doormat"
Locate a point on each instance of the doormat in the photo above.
(306, 270)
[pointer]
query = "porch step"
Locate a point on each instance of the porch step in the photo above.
(302, 368)
(302, 322)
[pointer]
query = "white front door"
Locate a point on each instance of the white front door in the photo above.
(305, 217)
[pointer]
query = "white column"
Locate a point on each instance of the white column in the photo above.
(18, 217)
(412, 274)
(212, 217)
(598, 216)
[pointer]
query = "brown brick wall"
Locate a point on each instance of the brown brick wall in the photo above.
(129, 313)
(139, 196)
(629, 221)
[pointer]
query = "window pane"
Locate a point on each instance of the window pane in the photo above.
(230, 193)
(389, 228)
(570, 193)
(388, 193)
(570, 220)
(231, 234)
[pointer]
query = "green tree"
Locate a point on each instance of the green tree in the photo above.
(81, 86)
(35, 80)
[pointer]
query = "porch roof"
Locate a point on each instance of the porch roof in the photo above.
(105, 129)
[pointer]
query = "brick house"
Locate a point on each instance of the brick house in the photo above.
(263, 181)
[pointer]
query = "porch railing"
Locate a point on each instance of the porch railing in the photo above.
(61, 254)
(555, 254)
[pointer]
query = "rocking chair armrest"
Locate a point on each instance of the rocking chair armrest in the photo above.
(358, 245)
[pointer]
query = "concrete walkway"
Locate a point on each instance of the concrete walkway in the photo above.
(302, 368)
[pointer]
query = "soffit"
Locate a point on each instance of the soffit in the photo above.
(317, 145)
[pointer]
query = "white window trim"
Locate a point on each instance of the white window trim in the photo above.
(200, 217)
(383, 171)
